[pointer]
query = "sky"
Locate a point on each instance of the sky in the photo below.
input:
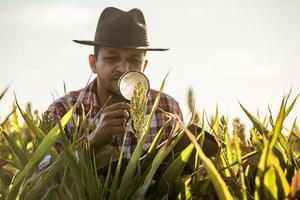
(228, 52)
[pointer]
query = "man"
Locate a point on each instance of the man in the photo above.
(120, 45)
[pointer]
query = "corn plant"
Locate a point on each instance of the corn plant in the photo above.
(265, 166)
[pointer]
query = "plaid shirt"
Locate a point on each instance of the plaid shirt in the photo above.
(90, 103)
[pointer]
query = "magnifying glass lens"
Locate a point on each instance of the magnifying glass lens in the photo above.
(129, 80)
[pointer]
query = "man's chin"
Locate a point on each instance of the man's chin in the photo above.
(116, 96)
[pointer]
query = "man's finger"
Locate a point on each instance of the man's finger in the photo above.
(116, 122)
(117, 106)
(116, 114)
(118, 130)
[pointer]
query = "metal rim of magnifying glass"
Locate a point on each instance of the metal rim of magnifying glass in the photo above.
(119, 82)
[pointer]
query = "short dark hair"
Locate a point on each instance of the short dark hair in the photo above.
(96, 51)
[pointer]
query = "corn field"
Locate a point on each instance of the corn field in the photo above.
(263, 166)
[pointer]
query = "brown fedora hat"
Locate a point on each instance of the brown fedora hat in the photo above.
(121, 29)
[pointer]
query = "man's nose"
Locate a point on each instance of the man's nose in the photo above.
(123, 66)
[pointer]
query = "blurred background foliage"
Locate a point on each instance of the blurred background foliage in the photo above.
(259, 163)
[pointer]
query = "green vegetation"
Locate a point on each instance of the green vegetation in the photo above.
(265, 166)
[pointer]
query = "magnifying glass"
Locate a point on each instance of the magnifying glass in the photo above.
(129, 80)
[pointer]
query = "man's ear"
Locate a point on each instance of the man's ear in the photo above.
(145, 65)
(92, 61)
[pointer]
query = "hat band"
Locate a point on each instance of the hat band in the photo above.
(121, 40)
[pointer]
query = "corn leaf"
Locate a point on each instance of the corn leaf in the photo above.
(77, 164)
(291, 130)
(257, 124)
(288, 110)
(239, 159)
(3, 92)
(148, 158)
(228, 145)
(243, 158)
(15, 121)
(41, 151)
(215, 127)
(45, 178)
(158, 137)
(261, 168)
(36, 130)
(105, 186)
(113, 192)
(270, 190)
(283, 183)
(133, 162)
(176, 167)
(219, 184)
(16, 149)
(160, 156)
(278, 125)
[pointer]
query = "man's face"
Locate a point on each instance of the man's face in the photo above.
(111, 63)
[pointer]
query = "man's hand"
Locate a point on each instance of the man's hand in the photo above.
(112, 122)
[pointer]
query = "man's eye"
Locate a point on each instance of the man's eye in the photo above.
(111, 58)
(135, 61)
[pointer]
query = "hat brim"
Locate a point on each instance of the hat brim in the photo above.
(92, 43)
